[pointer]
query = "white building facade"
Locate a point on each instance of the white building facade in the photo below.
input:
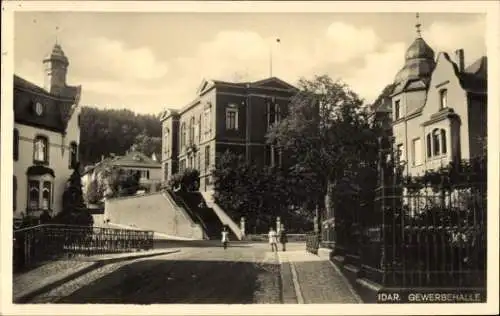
(45, 140)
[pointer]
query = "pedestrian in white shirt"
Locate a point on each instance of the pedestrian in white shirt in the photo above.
(273, 239)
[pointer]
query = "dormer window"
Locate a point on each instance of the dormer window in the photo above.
(38, 107)
(443, 98)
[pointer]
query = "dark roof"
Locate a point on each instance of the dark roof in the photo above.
(475, 77)
(57, 109)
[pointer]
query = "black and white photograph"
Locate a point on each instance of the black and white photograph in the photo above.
(220, 155)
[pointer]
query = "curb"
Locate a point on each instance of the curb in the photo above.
(29, 295)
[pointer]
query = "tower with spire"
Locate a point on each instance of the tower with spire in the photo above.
(56, 67)
(411, 82)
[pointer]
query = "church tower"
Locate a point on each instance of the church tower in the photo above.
(56, 66)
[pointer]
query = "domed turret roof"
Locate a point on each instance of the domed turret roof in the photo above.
(419, 49)
(57, 54)
(419, 62)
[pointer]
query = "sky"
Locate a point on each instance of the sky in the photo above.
(147, 62)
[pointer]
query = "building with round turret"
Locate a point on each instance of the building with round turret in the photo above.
(46, 138)
(438, 107)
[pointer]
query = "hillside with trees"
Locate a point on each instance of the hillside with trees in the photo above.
(111, 131)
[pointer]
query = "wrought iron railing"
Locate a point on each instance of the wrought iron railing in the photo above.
(312, 242)
(51, 241)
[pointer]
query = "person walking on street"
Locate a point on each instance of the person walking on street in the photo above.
(273, 240)
(225, 237)
(283, 237)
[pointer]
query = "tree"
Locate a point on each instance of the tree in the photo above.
(106, 131)
(258, 194)
(74, 211)
(327, 133)
(147, 144)
(93, 193)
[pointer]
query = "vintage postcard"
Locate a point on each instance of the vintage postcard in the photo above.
(249, 157)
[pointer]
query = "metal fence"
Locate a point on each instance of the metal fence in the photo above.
(51, 241)
(420, 231)
(312, 242)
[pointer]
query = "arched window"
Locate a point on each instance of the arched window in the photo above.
(33, 195)
(435, 142)
(41, 149)
(16, 144)
(73, 154)
(46, 195)
(443, 141)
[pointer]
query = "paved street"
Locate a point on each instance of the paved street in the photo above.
(203, 272)
(242, 274)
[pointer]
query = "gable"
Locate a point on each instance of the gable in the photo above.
(204, 85)
(444, 77)
(273, 83)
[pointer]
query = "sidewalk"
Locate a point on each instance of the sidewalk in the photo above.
(52, 274)
(310, 279)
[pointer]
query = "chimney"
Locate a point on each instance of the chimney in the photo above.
(459, 59)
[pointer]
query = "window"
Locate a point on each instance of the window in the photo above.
(443, 96)
(436, 143)
(73, 155)
(199, 129)
(397, 110)
(40, 150)
(232, 118)
(183, 135)
(33, 194)
(429, 146)
(191, 131)
(271, 113)
(206, 122)
(14, 193)
(166, 143)
(417, 152)
(277, 112)
(16, 144)
(182, 165)
(144, 174)
(207, 157)
(46, 195)
(443, 141)
(400, 152)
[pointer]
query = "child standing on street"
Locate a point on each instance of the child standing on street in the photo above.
(273, 240)
(225, 237)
